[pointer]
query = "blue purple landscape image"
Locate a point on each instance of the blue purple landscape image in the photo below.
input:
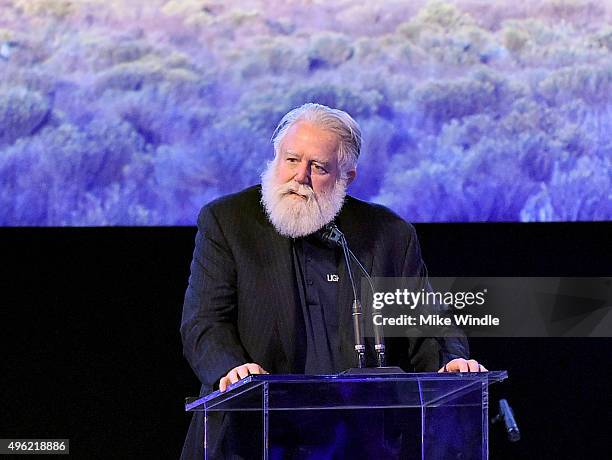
(138, 112)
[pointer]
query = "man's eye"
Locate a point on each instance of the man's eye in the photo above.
(320, 169)
(292, 160)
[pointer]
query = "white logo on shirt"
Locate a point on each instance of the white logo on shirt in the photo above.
(333, 277)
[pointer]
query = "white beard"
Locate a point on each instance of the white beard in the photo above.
(293, 216)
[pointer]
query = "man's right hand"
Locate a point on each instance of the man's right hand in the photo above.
(240, 372)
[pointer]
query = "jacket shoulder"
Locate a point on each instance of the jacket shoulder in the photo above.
(377, 215)
(242, 203)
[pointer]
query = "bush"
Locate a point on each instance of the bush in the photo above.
(592, 83)
(22, 113)
(59, 9)
(55, 173)
(329, 50)
(435, 103)
(584, 193)
(150, 70)
(360, 104)
(272, 57)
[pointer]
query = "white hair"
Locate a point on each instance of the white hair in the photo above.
(335, 121)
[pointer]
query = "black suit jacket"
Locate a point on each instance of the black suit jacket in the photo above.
(242, 303)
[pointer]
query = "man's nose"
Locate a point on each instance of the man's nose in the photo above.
(302, 175)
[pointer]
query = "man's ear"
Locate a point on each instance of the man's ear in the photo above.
(350, 176)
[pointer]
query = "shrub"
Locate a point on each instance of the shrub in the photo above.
(584, 193)
(53, 173)
(22, 113)
(329, 50)
(360, 104)
(150, 70)
(435, 103)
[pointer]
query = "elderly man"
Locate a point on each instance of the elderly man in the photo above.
(266, 294)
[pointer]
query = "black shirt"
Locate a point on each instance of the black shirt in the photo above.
(316, 268)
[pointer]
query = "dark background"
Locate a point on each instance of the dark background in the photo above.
(91, 351)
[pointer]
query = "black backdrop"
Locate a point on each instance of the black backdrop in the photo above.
(90, 348)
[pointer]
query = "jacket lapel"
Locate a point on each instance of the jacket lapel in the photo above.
(282, 301)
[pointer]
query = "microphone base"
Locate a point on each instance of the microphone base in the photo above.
(373, 370)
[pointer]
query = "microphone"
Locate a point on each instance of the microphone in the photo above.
(332, 235)
(507, 416)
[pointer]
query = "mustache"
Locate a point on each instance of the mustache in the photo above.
(293, 187)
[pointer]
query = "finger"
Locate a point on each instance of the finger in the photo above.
(441, 370)
(223, 384)
(462, 365)
(262, 370)
(255, 368)
(242, 371)
(483, 369)
(233, 376)
(473, 365)
(452, 366)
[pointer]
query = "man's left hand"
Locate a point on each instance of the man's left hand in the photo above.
(463, 365)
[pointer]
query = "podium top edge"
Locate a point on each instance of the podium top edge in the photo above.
(251, 381)
(289, 378)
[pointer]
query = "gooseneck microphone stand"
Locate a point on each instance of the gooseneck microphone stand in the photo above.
(379, 338)
(357, 310)
(333, 234)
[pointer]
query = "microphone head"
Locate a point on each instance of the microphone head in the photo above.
(331, 234)
(512, 430)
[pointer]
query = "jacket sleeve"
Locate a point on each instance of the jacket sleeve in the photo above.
(428, 354)
(208, 326)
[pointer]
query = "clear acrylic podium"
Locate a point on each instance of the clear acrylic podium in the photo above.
(386, 416)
